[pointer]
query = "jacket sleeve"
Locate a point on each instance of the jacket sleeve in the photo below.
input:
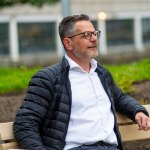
(124, 103)
(29, 118)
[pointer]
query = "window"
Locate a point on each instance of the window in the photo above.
(119, 32)
(146, 30)
(4, 40)
(37, 37)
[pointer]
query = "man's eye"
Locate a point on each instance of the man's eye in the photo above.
(82, 35)
(87, 34)
(95, 33)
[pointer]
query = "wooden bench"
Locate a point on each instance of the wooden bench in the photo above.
(129, 131)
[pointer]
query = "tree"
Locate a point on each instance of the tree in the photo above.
(4, 3)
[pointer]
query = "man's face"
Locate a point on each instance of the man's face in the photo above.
(83, 48)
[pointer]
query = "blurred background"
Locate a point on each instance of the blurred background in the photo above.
(29, 35)
(29, 40)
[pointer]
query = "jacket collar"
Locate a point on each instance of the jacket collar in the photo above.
(65, 66)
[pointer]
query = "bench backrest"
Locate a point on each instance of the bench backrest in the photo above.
(128, 129)
(7, 140)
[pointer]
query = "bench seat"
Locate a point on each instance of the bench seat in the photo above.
(128, 128)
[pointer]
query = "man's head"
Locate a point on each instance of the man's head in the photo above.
(66, 26)
(79, 37)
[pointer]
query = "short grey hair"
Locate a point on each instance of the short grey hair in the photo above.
(66, 26)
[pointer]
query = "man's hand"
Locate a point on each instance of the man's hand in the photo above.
(143, 121)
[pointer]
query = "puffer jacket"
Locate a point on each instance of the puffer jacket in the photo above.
(42, 120)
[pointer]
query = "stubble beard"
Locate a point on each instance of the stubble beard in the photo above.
(87, 55)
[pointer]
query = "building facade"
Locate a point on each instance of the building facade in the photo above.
(28, 34)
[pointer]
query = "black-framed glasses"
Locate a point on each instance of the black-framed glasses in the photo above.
(88, 34)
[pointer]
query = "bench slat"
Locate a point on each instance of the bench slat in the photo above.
(123, 119)
(6, 131)
(131, 133)
(7, 146)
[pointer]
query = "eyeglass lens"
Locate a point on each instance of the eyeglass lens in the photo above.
(88, 35)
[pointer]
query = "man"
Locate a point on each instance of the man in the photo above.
(72, 105)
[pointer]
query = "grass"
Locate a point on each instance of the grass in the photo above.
(16, 79)
(126, 74)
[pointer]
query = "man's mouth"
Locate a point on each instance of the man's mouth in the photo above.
(92, 47)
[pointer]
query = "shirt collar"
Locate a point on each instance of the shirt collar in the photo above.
(74, 65)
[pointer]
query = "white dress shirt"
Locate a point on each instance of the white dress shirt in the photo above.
(91, 117)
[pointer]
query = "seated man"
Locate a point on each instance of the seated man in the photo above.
(71, 105)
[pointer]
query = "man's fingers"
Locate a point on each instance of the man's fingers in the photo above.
(144, 123)
(147, 124)
(139, 122)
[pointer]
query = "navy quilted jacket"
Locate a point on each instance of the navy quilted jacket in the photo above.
(42, 120)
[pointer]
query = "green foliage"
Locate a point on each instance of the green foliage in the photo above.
(4, 3)
(16, 79)
(126, 74)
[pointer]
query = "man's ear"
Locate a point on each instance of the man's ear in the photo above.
(67, 43)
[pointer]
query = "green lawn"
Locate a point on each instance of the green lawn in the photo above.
(16, 79)
(126, 74)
